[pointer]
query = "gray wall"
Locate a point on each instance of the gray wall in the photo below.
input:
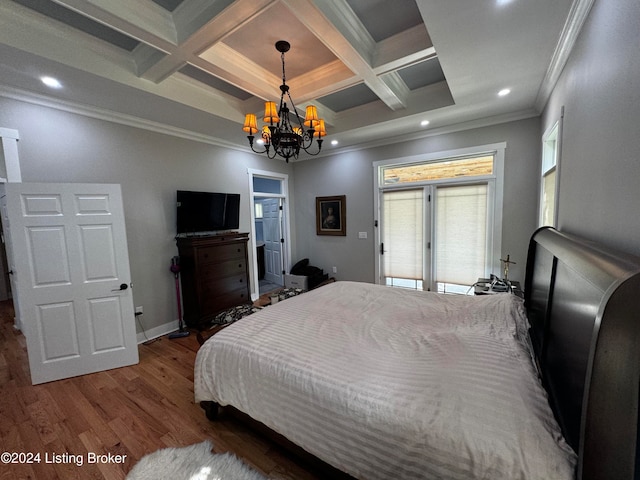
(351, 174)
(600, 91)
(57, 146)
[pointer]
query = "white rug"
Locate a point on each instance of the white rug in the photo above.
(195, 462)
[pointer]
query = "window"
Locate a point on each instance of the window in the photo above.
(549, 179)
(259, 210)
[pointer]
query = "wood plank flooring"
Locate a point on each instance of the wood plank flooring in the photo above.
(128, 411)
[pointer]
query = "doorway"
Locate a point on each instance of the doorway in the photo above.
(270, 230)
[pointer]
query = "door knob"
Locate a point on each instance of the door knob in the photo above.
(123, 286)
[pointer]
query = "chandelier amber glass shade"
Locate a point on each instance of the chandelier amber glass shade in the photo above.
(250, 124)
(271, 113)
(320, 130)
(311, 117)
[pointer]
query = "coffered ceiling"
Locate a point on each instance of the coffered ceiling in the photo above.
(376, 69)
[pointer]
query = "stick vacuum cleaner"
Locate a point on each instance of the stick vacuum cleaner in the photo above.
(175, 269)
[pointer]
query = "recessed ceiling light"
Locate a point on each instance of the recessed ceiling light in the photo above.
(504, 91)
(51, 82)
(334, 142)
(424, 123)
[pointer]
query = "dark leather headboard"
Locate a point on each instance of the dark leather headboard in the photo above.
(583, 303)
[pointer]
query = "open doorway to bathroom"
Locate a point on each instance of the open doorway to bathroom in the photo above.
(270, 230)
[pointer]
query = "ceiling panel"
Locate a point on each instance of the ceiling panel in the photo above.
(69, 17)
(384, 18)
(349, 98)
(214, 82)
(422, 74)
(256, 40)
(170, 5)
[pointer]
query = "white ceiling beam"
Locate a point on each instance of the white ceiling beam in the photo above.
(209, 34)
(143, 20)
(24, 29)
(403, 50)
(238, 70)
(322, 81)
(334, 23)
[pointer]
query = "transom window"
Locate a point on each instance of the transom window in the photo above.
(475, 166)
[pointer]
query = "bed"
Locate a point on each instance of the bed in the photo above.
(389, 383)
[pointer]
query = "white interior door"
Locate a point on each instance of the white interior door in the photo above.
(71, 269)
(272, 225)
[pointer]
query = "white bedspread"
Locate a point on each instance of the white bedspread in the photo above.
(386, 383)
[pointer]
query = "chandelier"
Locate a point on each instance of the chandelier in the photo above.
(279, 135)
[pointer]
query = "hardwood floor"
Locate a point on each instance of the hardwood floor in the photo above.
(128, 411)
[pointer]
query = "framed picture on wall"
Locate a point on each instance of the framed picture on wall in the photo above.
(331, 215)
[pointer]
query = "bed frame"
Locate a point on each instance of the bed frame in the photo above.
(583, 304)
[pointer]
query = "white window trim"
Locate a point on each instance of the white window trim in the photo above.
(495, 181)
(554, 129)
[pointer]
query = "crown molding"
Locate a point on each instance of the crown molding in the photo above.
(573, 26)
(458, 127)
(114, 117)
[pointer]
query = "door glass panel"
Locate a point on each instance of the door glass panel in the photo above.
(403, 237)
(461, 234)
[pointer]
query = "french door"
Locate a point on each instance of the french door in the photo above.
(440, 219)
(435, 237)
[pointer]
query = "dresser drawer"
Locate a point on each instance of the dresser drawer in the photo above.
(213, 305)
(220, 253)
(224, 269)
(217, 286)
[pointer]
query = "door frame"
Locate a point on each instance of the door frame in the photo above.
(10, 168)
(286, 226)
(496, 182)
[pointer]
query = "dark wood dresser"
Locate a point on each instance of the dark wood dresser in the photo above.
(214, 274)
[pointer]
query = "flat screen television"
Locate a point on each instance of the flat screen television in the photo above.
(200, 212)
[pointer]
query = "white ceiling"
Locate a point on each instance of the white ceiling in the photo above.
(374, 68)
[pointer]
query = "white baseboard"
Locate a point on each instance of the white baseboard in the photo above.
(158, 331)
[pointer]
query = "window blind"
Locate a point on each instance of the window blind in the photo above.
(548, 198)
(403, 233)
(461, 233)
